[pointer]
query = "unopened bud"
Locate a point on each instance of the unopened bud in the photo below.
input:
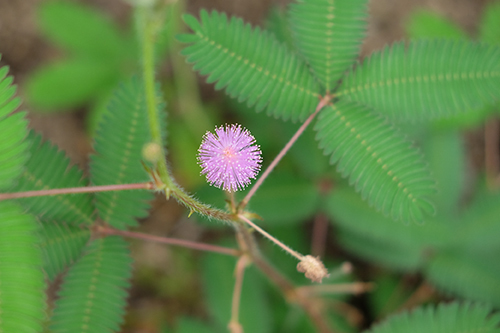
(313, 268)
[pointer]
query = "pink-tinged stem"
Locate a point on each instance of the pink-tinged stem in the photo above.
(170, 241)
(282, 153)
(234, 324)
(75, 190)
(339, 288)
(271, 238)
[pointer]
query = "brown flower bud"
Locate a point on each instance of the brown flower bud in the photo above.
(313, 268)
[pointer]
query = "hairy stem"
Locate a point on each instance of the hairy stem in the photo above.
(282, 153)
(149, 31)
(169, 241)
(271, 238)
(310, 305)
(75, 190)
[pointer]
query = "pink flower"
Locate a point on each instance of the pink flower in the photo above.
(229, 158)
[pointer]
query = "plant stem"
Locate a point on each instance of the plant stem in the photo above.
(311, 306)
(319, 234)
(339, 288)
(149, 31)
(170, 241)
(271, 238)
(234, 324)
(148, 64)
(75, 190)
(282, 153)
(424, 293)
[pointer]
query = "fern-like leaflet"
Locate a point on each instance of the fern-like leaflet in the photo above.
(61, 245)
(426, 79)
(328, 33)
(49, 168)
(382, 166)
(446, 318)
(251, 65)
(13, 148)
(93, 296)
(121, 136)
(22, 287)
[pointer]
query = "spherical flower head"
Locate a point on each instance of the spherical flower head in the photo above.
(229, 158)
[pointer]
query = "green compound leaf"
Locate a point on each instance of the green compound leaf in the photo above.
(445, 152)
(22, 287)
(328, 33)
(427, 79)
(445, 318)
(467, 273)
(121, 136)
(251, 65)
(426, 24)
(379, 239)
(61, 245)
(407, 258)
(13, 147)
(480, 225)
(277, 23)
(93, 294)
(388, 172)
(49, 168)
(82, 30)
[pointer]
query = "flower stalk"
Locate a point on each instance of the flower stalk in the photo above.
(324, 101)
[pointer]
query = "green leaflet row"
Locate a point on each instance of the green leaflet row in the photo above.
(445, 318)
(120, 139)
(93, 295)
(251, 65)
(22, 285)
(49, 168)
(426, 79)
(388, 172)
(328, 34)
(13, 131)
